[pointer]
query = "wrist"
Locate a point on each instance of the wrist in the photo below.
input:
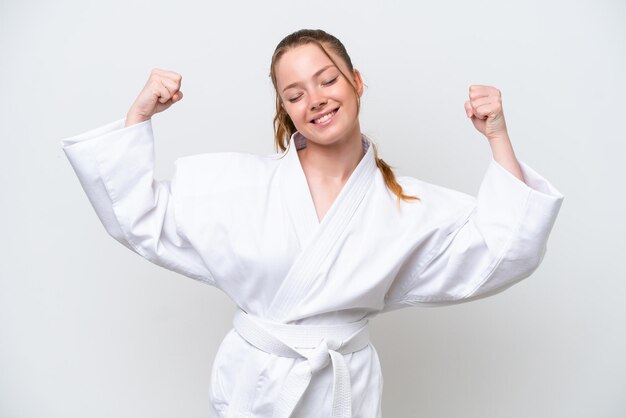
(134, 119)
(501, 137)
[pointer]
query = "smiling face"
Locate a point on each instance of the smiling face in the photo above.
(320, 101)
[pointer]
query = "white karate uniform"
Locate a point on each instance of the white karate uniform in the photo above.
(305, 289)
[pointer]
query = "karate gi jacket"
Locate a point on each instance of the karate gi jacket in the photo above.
(305, 289)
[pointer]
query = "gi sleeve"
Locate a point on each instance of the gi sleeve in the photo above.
(115, 167)
(499, 239)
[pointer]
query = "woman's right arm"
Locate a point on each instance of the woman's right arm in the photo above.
(115, 166)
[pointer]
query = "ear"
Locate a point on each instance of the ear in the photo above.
(358, 80)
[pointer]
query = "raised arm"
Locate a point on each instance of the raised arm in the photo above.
(484, 108)
(115, 166)
(492, 241)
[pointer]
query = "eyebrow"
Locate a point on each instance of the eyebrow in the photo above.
(314, 75)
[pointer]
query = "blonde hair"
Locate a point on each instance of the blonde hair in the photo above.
(284, 127)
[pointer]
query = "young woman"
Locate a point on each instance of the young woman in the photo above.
(312, 241)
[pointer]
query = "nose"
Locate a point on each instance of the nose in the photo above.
(317, 100)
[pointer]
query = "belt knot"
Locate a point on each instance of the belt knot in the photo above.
(317, 345)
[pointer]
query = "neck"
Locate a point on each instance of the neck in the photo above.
(335, 161)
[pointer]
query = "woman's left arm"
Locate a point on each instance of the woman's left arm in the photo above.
(490, 242)
(484, 107)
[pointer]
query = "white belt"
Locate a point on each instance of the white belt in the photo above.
(317, 344)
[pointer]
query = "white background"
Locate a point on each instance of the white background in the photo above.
(90, 329)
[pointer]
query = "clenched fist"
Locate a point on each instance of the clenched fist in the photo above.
(160, 92)
(485, 109)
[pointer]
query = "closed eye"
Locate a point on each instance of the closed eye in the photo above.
(325, 83)
(295, 99)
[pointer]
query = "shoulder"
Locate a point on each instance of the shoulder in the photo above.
(228, 160)
(435, 199)
(431, 190)
(224, 170)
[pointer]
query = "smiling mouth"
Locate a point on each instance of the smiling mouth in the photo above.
(325, 118)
